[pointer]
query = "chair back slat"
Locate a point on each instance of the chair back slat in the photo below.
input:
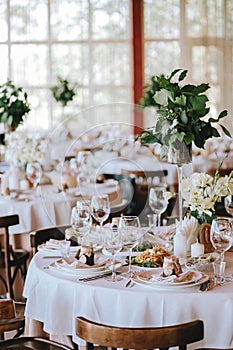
(43, 235)
(13, 260)
(140, 338)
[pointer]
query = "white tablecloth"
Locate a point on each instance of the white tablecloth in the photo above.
(114, 304)
(47, 207)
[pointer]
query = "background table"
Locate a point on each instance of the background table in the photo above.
(114, 304)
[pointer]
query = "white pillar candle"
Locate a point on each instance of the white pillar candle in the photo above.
(180, 245)
(24, 185)
(197, 249)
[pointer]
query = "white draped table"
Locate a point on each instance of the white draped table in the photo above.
(47, 207)
(55, 299)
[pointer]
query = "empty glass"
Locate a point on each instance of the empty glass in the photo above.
(131, 233)
(100, 208)
(158, 201)
(221, 235)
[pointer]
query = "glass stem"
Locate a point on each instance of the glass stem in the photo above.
(159, 220)
(113, 267)
(222, 256)
(180, 175)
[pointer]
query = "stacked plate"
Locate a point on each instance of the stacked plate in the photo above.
(155, 279)
(73, 267)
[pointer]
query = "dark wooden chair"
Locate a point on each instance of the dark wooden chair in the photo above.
(33, 343)
(43, 235)
(144, 181)
(14, 261)
(11, 318)
(139, 338)
(128, 187)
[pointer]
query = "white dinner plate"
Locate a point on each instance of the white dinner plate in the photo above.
(55, 251)
(143, 268)
(161, 285)
(72, 264)
(81, 273)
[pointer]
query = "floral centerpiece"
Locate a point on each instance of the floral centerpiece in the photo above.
(202, 193)
(182, 114)
(22, 149)
(63, 92)
(14, 105)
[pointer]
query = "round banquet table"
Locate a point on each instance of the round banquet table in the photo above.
(46, 206)
(55, 299)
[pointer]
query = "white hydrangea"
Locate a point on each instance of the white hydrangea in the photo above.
(22, 149)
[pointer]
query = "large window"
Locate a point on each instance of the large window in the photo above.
(89, 42)
(196, 35)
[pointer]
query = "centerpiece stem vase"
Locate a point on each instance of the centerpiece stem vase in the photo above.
(180, 154)
(180, 200)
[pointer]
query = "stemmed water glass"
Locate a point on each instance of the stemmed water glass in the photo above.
(100, 208)
(158, 201)
(221, 235)
(131, 233)
(81, 220)
(112, 245)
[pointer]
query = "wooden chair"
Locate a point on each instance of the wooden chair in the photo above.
(144, 181)
(139, 338)
(128, 188)
(12, 260)
(11, 318)
(43, 235)
(147, 177)
(33, 343)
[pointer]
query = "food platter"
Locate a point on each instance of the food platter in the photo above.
(150, 258)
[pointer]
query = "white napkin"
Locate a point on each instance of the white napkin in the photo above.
(189, 227)
(53, 244)
(185, 277)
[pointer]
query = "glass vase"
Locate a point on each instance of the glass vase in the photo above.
(179, 153)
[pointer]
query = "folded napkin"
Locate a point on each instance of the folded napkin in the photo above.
(75, 263)
(53, 244)
(184, 277)
(189, 227)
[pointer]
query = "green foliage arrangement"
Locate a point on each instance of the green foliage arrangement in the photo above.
(63, 92)
(181, 113)
(14, 105)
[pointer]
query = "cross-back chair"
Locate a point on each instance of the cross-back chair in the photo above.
(33, 343)
(13, 261)
(11, 318)
(40, 236)
(139, 338)
(144, 181)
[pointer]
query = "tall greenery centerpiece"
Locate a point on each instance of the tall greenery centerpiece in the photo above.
(63, 92)
(181, 119)
(14, 105)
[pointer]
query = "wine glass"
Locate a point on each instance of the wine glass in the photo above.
(158, 201)
(221, 235)
(131, 233)
(34, 173)
(112, 245)
(228, 204)
(100, 208)
(81, 220)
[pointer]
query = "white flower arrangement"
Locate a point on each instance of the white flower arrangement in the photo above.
(201, 192)
(22, 149)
